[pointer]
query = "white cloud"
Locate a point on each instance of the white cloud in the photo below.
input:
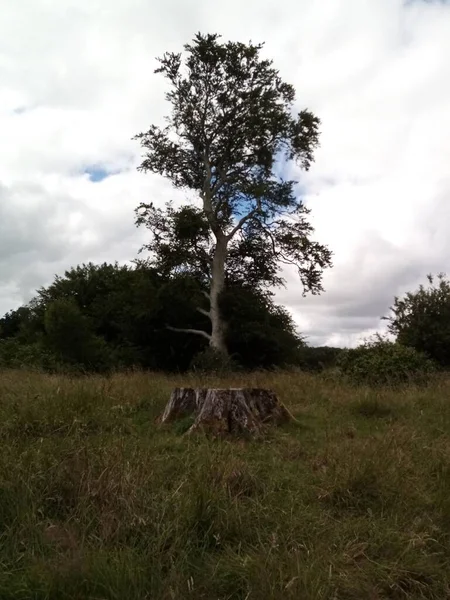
(78, 83)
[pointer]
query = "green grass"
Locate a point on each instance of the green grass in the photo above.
(349, 502)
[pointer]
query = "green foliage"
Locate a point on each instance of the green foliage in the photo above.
(181, 242)
(421, 319)
(380, 362)
(17, 355)
(232, 119)
(11, 322)
(108, 316)
(209, 361)
(317, 358)
(70, 338)
(260, 333)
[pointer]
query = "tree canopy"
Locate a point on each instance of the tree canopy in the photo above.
(100, 317)
(230, 128)
(421, 319)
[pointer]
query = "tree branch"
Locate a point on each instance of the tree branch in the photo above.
(194, 331)
(204, 312)
(244, 219)
(277, 253)
(272, 239)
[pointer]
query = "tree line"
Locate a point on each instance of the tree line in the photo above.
(109, 316)
(98, 318)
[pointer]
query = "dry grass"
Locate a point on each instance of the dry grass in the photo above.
(351, 501)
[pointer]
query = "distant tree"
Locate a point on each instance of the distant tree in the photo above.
(10, 323)
(70, 338)
(103, 293)
(421, 319)
(231, 122)
(260, 333)
(318, 358)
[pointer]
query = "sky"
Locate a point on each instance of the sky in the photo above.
(77, 84)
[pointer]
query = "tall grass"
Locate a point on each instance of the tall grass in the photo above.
(350, 501)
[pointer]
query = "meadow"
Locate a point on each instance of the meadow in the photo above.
(349, 501)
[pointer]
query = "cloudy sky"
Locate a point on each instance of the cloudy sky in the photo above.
(77, 83)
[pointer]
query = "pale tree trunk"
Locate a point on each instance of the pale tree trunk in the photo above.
(217, 339)
(218, 331)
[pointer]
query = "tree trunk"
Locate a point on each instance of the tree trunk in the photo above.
(224, 411)
(182, 403)
(217, 340)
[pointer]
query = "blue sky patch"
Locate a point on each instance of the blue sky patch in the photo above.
(97, 173)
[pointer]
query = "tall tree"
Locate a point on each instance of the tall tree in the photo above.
(230, 124)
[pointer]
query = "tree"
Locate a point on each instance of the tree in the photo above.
(70, 337)
(421, 319)
(231, 122)
(10, 323)
(259, 333)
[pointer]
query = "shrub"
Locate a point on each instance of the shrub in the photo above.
(421, 319)
(16, 355)
(213, 362)
(381, 362)
(318, 358)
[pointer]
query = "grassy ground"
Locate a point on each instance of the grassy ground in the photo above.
(97, 502)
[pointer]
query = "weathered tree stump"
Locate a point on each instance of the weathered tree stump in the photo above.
(221, 411)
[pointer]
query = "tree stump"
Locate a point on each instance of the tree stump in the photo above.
(221, 411)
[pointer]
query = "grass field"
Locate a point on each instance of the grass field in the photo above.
(351, 502)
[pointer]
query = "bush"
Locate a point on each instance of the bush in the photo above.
(15, 355)
(212, 362)
(381, 362)
(318, 358)
(421, 319)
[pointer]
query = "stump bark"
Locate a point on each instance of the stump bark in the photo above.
(221, 411)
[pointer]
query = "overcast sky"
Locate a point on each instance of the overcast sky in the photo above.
(77, 82)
